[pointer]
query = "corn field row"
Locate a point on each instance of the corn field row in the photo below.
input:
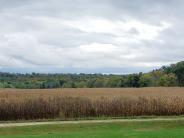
(78, 107)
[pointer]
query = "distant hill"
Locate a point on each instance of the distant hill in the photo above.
(168, 76)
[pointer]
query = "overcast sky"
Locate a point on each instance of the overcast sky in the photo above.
(107, 36)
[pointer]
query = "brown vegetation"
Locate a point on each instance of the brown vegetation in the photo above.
(81, 103)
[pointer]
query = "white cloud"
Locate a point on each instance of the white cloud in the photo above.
(90, 34)
(98, 48)
(142, 31)
(25, 49)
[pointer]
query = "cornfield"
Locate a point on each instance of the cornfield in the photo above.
(31, 105)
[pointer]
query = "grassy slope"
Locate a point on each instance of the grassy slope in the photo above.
(158, 129)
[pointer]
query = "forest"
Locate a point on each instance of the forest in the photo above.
(167, 76)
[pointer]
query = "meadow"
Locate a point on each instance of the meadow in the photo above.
(135, 129)
(65, 104)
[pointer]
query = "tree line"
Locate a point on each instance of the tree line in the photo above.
(167, 76)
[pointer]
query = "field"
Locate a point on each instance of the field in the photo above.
(104, 103)
(14, 94)
(68, 104)
(136, 129)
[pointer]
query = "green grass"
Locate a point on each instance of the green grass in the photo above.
(152, 129)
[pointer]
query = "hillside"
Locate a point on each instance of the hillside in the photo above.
(168, 76)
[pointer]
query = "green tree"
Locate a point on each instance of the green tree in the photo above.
(145, 80)
(98, 83)
(132, 80)
(114, 82)
(168, 80)
(178, 69)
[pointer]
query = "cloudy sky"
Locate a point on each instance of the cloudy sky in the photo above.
(102, 36)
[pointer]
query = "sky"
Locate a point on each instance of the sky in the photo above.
(90, 36)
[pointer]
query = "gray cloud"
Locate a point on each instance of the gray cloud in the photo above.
(90, 34)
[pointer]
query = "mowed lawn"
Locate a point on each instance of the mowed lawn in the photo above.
(151, 129)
